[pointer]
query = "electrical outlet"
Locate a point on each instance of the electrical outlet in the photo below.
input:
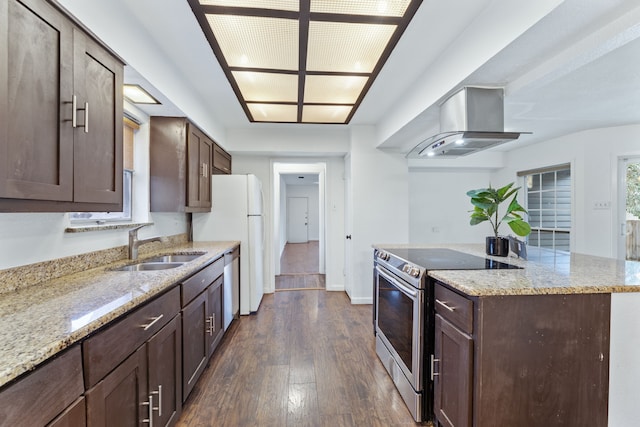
(602, 204)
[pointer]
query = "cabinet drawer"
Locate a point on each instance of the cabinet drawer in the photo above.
(107, 349)
(454, 307)
(39, 397)
(197, 283)
(221, 160)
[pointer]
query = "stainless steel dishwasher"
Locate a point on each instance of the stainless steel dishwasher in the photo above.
(231, 292)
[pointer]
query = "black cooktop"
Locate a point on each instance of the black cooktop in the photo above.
(447, 259)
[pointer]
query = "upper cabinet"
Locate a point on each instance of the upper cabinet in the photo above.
(221, 161)
(180, 166)
(61, 112)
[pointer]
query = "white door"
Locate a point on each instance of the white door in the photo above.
(297, 219)
(348, 226)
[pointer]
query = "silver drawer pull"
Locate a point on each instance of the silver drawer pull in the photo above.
(153, 322)
(444, 304)
(149, 404)
(433, 367)
(159, 393)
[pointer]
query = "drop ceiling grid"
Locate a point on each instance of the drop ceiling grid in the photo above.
(327, 46)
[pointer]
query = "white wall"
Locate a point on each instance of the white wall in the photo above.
(310, 192)
(594, 157)
(439, 206)
(380, 209)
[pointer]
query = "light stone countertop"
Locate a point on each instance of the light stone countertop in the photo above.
(545, 272)
(39, 321)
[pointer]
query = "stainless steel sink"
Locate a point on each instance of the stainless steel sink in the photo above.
(175, 257)
(149, 266)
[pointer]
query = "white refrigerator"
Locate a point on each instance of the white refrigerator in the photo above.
(236, 214)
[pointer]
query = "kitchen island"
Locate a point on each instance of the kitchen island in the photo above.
(553, 343)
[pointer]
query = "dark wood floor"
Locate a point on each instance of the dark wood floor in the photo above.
(305, 359)
(299, 267)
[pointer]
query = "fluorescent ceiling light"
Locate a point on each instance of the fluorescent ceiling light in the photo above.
(137, 95)
(302, 61)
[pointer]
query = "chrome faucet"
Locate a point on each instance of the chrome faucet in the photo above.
(134, 242)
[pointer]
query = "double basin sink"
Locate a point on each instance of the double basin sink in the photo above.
(161, 262)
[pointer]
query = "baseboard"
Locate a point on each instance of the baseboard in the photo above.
(361, 300)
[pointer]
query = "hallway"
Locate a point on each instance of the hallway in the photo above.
(305, 359)
(299, 267)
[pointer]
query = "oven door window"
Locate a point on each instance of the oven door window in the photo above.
(396, 319)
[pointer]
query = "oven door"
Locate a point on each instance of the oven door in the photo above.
(399, 323)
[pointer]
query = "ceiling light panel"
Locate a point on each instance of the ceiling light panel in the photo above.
(291, 5)
(273, 112)
(395, 8)
(333, 89)
(267, 87)
(325, 113)
(346, 47)
(257, 42)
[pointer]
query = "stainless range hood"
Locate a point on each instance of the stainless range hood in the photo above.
(471, 120)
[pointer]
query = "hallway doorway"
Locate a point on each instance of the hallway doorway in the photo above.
(299, 267)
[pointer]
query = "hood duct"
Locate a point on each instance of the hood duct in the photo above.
(471, 120)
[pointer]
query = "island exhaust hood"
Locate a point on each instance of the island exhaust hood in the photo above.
(471, 120)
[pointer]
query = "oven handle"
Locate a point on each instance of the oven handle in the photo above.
(407, 290)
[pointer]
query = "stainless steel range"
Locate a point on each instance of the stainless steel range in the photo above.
(404, 316)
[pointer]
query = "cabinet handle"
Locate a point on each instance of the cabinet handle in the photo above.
(444, 304)
(154, 321)
(149, 404)
(74, 118)
(86, 117)
(159, 393)
(211, 320)
(74, 111)
(433, 367)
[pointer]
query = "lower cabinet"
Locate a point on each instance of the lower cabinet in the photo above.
(45, 395)
(144, 389)
(202, 330)
(74, 416)
(521, 360)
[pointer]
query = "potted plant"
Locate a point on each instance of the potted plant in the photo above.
(485, 203)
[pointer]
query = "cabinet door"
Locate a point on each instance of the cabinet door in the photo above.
(36, 88)
(164, 368)
(74, 416)
(195, 344)
(199, 169)
(206, 154)
(121, 398)
(215, 320)
(454, 373)
(98, 135)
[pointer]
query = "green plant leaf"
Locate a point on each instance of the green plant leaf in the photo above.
(520, 227)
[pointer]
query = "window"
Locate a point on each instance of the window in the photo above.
(548, 201)
(129, 129)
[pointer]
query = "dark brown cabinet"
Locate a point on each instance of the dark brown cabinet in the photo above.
(221, 161)
(133, 367)
(514, 360)
(39, 397)
(121, 398)
(61, 104)
(201, 321)
(180, 166)
(452, 384)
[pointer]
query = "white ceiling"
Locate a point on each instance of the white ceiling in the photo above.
(564, 69)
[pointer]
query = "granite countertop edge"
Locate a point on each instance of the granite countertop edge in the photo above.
(37, 322)
(545, 273)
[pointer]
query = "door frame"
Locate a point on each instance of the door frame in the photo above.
(279, 168)
(619, 219)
